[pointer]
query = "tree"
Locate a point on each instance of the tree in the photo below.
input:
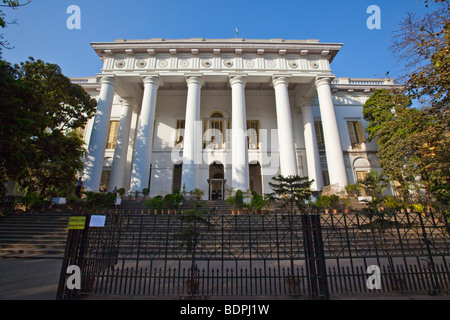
(3, 23)
(291, 190)
(412, 143)
(41, 111)
(422, 44)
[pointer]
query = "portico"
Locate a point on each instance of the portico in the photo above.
(195, 102)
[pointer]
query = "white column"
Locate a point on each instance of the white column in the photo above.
(144, 140)
(312, 149)
(191, 138)
(333, 148)
(99, 136)
(240, 169)
(120, 152)
(288, 161)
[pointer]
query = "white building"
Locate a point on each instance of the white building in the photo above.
(216, 114)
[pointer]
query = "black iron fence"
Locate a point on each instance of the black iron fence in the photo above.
(310, 256)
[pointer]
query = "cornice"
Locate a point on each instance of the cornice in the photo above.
(197, 46)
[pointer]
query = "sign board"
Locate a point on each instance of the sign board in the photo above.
(77, 223)
(97, 221)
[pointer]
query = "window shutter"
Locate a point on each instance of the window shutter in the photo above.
(352, 133)
(360, 132)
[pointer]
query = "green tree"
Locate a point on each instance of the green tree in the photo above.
(3, 23)
(41, 111)
(292, 190)
(412, 144)
(422, 45)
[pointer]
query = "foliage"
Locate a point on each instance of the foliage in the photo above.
(3, 23)
(122, 192)
(145, 192)
(92, 200)
(197, 193)
(237, 200)
(412, 144)
(327, 202)
(375, 184)
(258, 202)
(291, 190)
(174, 200)
(169, 201)
(422, 45)
(41, 111)
(352, 189)
(156, 203)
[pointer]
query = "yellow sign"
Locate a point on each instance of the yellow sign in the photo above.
(77, 223)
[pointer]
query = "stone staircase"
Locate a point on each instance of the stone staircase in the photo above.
(33, 235)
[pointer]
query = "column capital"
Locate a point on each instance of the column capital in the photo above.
(323, 80)
(198, 79)
(108, 79)
(235, 79)
(127, 101)
(280, 79)
(305, 102)
(153, 79)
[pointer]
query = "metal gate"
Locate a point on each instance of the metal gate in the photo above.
(302, 256)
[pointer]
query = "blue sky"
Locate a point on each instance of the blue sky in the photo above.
(42, 32)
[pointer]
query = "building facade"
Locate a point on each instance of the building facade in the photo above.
(220, 114)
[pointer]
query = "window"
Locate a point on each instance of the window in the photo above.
(112, 136)
(356, 132)
(213, 131)
(361, 176)
(179, 132)
(319, 134)
(253, 134)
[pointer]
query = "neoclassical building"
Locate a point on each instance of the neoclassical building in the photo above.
(217, 114)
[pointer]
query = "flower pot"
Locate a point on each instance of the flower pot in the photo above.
(292, 284)
(327, 211)
(192, 285)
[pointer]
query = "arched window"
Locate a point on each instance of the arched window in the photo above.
(214, 130)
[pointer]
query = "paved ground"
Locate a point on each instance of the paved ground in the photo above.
(29, 279)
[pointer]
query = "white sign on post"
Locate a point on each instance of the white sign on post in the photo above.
(97, 221)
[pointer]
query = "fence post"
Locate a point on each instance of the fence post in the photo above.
(73, 254)
(320, 258)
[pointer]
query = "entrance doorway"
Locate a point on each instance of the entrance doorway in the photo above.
(176, 182)
(216, 182)
(255, 178)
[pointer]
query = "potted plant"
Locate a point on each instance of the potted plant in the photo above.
(352, 190)
(197, 194)
(334, 200)
(237, 200)
(258, 202)
(145, 192)
(156, 203)
(346, 203)
(324, 202)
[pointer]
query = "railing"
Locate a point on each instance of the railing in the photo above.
(253, 255)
